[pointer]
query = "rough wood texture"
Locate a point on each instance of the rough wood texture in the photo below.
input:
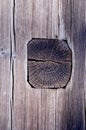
(35, 109)
(49, 63)
(75, 29)
(5, 66)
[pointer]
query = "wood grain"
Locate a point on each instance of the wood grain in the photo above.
(75, 29)
(5, 66)
(25, 108)
(47, 109)
(49, 63)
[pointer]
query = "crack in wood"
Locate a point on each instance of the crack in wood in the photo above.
(14, 32)
(59, 62)
(49, 63)
(12, 56)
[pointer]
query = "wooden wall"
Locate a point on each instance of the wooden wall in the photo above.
(24, 108)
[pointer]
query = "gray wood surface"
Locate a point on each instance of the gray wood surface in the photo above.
(5, 66)
(24, 108)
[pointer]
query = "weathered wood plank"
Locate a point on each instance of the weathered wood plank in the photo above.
(75, 30)
(36, 109)
(85, 72)
(5, 66)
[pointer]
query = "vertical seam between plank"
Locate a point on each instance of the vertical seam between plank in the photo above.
(12, 56)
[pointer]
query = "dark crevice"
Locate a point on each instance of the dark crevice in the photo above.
(11, 113)
(59, 62)
(11, 69)
(14, 32)
(85, 119)
(12, 51)
(12, 82)
(12, 93)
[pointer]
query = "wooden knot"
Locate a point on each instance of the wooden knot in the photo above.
(49, 63)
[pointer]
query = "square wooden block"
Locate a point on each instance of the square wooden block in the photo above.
(49, 63)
